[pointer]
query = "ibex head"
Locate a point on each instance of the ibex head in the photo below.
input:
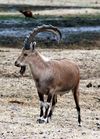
(29, 46)
(26, 54)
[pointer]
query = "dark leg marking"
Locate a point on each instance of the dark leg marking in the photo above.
(76, 98)
(41, 97)
(22, 70)
(49, 99)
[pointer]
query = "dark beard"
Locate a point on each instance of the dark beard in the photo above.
(22, 70)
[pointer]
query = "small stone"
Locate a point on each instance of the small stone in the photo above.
(83, 133)
(11, 132)
(89, 85)
(28, 123)
(99, 86)
(98, 125)
(8, 131)
(41, 132)
(97, 118)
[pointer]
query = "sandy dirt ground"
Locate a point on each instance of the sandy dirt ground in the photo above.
(19, 104)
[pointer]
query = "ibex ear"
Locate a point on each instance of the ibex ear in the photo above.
(32, 45)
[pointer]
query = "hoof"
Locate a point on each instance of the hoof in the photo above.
(80, 124)
(42, 120)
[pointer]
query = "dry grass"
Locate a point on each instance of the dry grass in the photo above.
(19, 105)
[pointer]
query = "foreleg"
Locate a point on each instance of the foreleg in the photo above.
(41, 98)
(54, 101)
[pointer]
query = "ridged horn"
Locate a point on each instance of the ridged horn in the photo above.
(43, 28)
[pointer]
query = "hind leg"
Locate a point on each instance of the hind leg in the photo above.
(54, 101)
(76, 98)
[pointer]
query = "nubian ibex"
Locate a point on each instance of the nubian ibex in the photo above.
(52, 77)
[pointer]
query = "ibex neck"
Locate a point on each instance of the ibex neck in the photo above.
(38, 65)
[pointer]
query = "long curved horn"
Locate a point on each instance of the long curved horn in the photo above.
(43, 28)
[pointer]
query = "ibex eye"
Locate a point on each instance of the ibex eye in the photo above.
(25, 54)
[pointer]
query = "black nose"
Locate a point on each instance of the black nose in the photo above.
(16, 64)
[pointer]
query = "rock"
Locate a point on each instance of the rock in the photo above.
(83, 133)
(98, 125)
(97, 118)
(99, 86)
(89, 85)
(41, 132)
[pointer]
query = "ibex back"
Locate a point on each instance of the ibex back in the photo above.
(52, 77)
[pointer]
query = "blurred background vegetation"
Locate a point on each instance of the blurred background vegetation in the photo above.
(79, 22)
